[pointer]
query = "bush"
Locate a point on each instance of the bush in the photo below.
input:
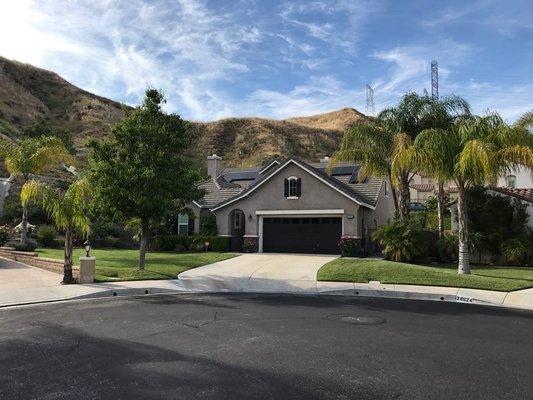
(249, 245)
(352, 247)
(448, 248)
(516, 251)
(191, 243)
(4, 235)
(30, 245)
(401, 241)
(208, 225)
(46, 236)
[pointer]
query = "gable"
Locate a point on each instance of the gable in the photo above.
(315, 185)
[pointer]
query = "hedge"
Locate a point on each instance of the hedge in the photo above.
(191, 243)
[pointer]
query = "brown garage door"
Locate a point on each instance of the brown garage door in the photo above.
(302, 235)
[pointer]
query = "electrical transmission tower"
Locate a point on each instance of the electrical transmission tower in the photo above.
(425, 93)
(434, 80)
(369, 99)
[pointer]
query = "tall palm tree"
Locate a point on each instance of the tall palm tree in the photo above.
(374, 144)
(474, 152)
(29, 157)
(67, 208)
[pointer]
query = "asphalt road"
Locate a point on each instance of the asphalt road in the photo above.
(264, 347)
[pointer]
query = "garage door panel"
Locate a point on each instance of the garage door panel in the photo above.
(302, 235)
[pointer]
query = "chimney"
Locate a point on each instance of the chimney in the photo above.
(324, 160)
(214, 165)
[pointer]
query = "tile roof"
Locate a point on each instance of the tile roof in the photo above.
(234, 182)
(423, 187)
(522, 194)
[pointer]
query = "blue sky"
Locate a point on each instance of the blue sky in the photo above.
(215, 58)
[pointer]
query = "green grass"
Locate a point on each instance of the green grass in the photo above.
(121, 265)
(365, 270)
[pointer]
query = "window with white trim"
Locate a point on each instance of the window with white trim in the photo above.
(293, 187)
(183, 224)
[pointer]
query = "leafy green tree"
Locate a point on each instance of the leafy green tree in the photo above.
(475, 152)
(68, 210)
(30, 157)
(143, 169)
(43, 127)
(208, 225)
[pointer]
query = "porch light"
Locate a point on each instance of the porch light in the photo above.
(87, 247)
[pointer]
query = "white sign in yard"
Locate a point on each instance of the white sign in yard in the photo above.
(463, 299)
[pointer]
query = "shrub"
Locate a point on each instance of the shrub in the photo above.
(516, 251)
(352, 247)
(30, 245)
(4, 235)
(208, 225)
(191, 243)
(448, 248)
(46, 236)
(249, 245)
(401, 241)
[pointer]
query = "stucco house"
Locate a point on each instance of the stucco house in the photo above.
(291, 205)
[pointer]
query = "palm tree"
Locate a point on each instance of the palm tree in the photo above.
(66, 208)
(29, 157)
(374, 144)
(474, 152)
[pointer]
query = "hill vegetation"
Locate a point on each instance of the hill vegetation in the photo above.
(33, 100)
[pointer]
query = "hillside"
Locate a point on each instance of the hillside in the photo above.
(30, 95)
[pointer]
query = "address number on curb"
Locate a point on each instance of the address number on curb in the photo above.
(464, 299)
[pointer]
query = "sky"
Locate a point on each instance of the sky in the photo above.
(277, 59)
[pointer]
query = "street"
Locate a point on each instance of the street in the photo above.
(228, 346)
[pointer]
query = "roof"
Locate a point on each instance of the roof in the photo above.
(522, 194)
(423, 187)
(233, 183)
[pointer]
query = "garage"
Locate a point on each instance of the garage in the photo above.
(319, 235)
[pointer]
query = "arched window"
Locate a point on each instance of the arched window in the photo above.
(510, 181)
(293, 187)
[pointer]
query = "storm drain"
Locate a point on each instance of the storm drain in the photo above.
(358, 320)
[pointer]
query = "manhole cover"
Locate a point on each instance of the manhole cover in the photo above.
(362, 320)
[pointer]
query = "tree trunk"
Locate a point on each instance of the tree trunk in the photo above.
(24, 226)
(394, 195)
(440, 208)
(404, 197)
(144, 242)
(67, 266)
(464, 255)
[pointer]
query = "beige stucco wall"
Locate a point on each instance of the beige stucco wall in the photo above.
(316, 195)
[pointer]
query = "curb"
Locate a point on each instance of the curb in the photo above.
(507, 300)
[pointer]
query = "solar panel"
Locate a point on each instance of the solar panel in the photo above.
(241, 176)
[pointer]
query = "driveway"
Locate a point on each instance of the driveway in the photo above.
(258, 272)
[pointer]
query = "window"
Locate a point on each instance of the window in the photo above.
(510, 181)
(183, 224)
(293, 187)
(237, 220)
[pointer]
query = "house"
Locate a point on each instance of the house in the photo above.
(291, 205)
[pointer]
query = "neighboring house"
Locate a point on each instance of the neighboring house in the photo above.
(525, 196)
(292, 206)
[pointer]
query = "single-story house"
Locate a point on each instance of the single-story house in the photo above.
(290, 205)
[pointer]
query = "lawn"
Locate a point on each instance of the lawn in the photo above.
(121, 265)
(482, 277)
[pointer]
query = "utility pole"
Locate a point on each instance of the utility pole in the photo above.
(369, 99)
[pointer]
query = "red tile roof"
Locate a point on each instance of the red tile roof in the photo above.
(522, 194)
(423, 187)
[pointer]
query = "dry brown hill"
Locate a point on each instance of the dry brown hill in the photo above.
(29, 94)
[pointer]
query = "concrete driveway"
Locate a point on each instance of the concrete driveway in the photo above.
(258, 272)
